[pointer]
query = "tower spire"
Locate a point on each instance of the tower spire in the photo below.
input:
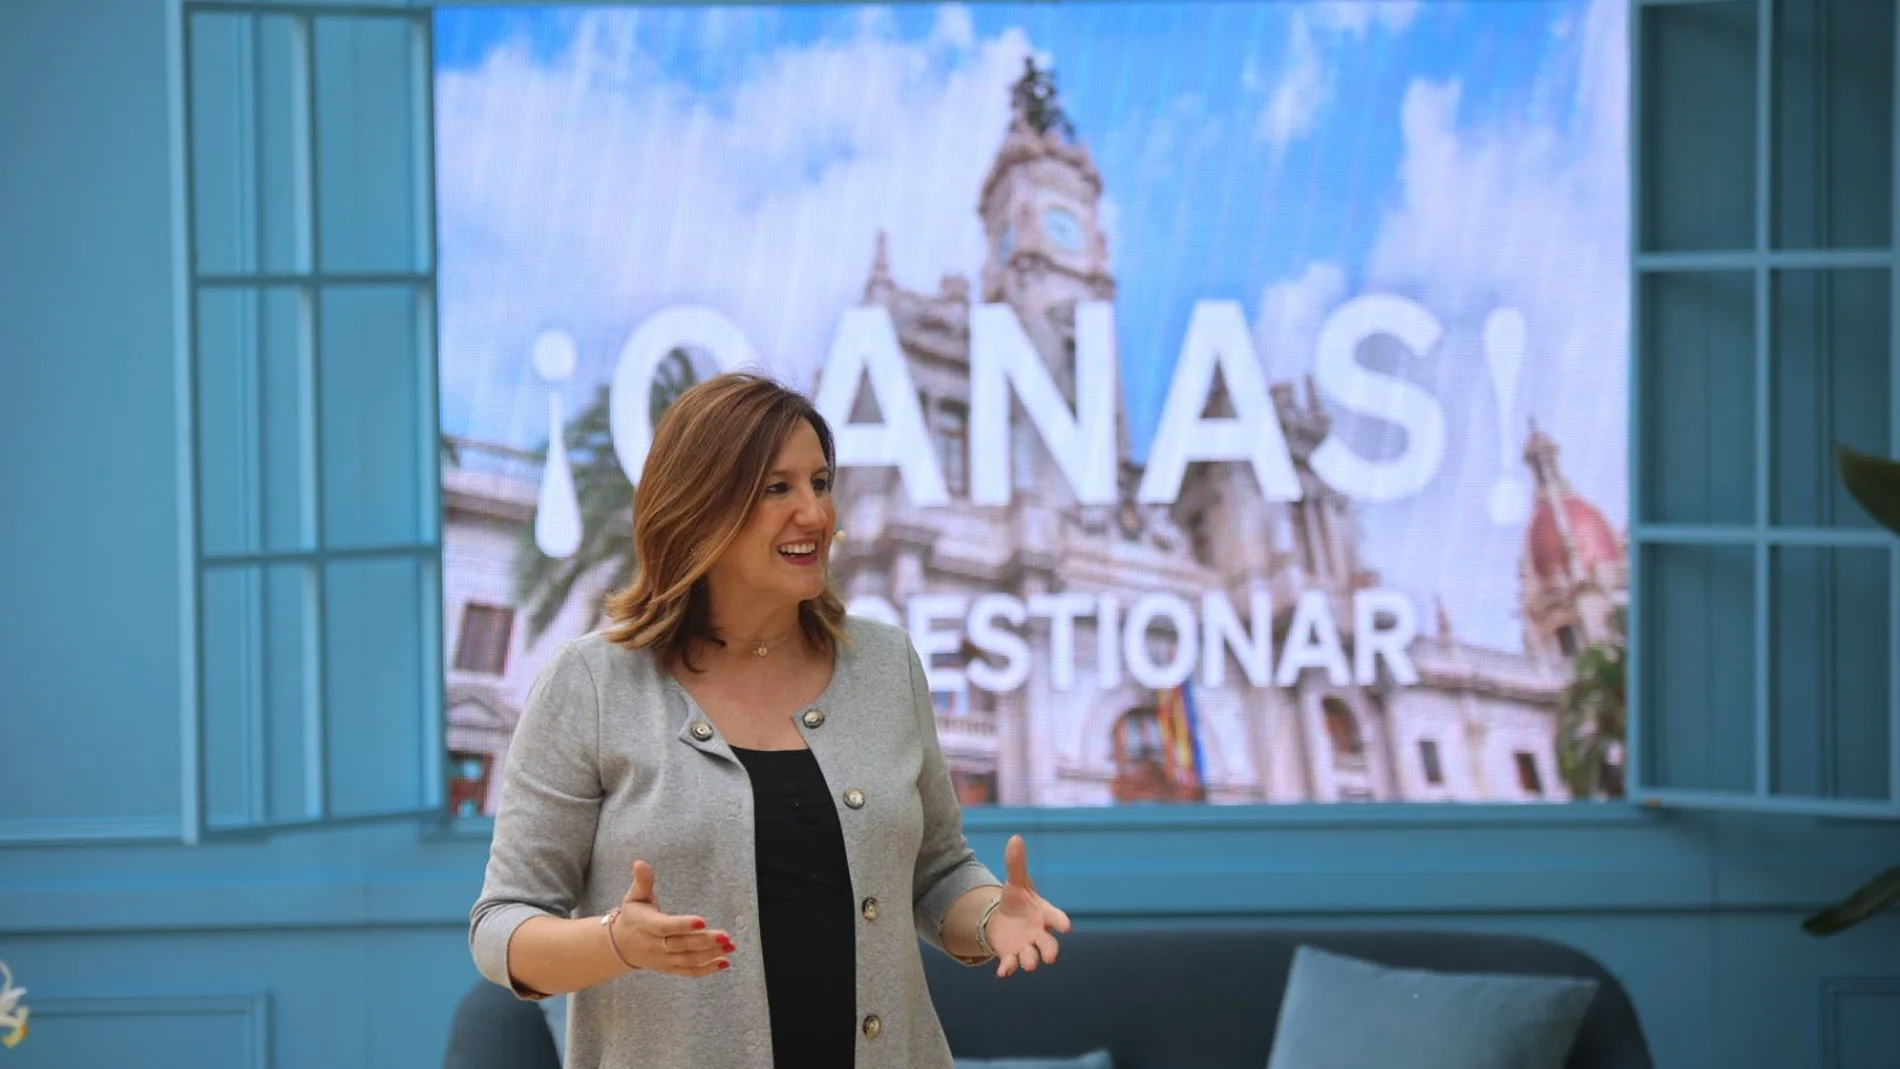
(1575, 565)
(1540, 454)
(880, 286)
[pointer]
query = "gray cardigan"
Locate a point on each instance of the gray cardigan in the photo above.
(613, 762)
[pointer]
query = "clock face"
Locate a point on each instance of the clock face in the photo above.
(1063, 229)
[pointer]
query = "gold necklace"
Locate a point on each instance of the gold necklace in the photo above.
(764, 646)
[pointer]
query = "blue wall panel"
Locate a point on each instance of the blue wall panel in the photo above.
(1819, 993)
(152, 1031)
(376, 999)
(346, 947)
(1860, 1022)
(89, 661)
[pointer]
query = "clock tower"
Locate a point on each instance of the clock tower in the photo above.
(1040, 211)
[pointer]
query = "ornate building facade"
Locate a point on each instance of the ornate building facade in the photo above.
(1478, 724)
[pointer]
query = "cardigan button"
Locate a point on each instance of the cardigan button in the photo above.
(872, 1026)
(870, 909)
(814, 718)
(854, 798)
(702, 730)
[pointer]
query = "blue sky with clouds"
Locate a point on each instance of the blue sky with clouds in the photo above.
(598, 164)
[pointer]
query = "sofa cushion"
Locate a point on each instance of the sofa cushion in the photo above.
(1341, 1012)
(1208, 996)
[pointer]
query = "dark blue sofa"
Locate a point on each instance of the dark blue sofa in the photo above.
(1155, 999)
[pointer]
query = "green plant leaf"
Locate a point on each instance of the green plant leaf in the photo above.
(1872, 897)
(1874, 482)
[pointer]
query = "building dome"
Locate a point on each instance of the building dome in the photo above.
(1591, 537)
(1566, 532)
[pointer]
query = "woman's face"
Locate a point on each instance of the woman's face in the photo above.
(783, 551)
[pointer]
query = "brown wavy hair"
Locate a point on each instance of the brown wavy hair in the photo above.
(703, 476)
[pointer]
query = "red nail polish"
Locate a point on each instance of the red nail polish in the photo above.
(723, 964)
(697, 925)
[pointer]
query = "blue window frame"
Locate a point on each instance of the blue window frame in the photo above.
(1765, 623)
(315, 692)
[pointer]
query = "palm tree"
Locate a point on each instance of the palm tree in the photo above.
(544, 584)
(1593, 719)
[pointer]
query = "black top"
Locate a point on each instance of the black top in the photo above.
(807, 913)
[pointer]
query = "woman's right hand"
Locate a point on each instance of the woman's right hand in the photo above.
(660, 942)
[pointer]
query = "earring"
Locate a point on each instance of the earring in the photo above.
(838, 535)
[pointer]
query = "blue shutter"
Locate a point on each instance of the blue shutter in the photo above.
(317, 547)
(1765, 620)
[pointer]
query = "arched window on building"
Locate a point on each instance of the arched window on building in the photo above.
(1140, 775)
(1349, 746)
(1567, 640)
(953, 445)
(1151, 763)
(1430, 762)
(469, 778)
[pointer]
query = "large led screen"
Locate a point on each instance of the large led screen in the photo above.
(1231, 397)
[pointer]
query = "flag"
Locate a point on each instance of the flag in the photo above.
(1191, 718)
(1180, 736)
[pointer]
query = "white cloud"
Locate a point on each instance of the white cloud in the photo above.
(588, 192)
(1356, 17)
(1307, 79)
(1531, 215)
(718, 28)
(1294, 105)
(1287, 328)
(954, 26)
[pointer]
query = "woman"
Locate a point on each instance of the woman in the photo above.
(726, 819)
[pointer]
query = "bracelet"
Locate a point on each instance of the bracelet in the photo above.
(983, 927)
(607, 922)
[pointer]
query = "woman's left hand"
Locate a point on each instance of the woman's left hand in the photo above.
(1020, 931)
